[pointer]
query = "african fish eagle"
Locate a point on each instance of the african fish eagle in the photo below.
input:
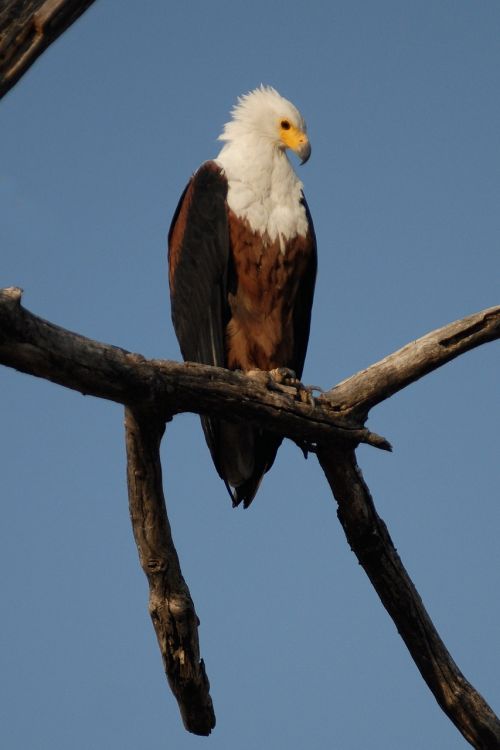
(242, 268)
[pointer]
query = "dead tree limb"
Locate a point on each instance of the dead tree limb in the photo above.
(361, 392)
(39, 348)
(170, 604)
(370, 541)
(27, 28)
(155, 390)
(335, 425)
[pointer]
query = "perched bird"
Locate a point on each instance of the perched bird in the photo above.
(242, 268)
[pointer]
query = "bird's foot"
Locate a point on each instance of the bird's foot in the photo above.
(285, 380)
(284, 376)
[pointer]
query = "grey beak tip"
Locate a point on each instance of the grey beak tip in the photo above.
(305, 155)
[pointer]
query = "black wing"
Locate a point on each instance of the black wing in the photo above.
(198, 255)
(198, 243)
(304, 300)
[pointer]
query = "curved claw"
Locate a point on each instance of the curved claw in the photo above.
(286, 379)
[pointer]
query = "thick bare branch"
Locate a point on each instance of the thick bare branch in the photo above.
(334, 425)
(170, 604)
(371, 543)
(39, 348)
(27, 28)
(359, 393)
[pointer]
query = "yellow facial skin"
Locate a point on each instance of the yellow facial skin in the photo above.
(295, 139)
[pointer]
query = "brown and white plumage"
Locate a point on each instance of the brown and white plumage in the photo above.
(242, 267)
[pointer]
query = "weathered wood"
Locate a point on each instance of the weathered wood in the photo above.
(154, 390)
(39, 348)
(170, 604)
(27, 28)
(370, 541)
(362, 391)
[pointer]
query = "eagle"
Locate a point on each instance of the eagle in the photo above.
(242, 269)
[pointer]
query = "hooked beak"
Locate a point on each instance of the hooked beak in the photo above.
(304, 151)
(295, 139)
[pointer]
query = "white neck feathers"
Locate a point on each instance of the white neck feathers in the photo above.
(263, 187)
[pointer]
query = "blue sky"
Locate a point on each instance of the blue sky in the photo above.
(97, 142)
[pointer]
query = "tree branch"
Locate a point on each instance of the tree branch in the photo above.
(154, 390)
(170, 604)
(27, 28)
(39, 348)
(359, 393)
(370, 541)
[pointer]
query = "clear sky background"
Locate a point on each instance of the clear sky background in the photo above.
(402, 101)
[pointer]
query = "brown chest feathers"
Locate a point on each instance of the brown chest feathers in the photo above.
(263, 286)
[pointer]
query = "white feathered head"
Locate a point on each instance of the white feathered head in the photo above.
(264, 113)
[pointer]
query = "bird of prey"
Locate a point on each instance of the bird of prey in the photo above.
(242, 269)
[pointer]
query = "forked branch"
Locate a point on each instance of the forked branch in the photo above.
(155, 390)
(34, 346)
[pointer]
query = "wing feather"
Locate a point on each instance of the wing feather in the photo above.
(198, 261)
(198, 252)
(304, 300)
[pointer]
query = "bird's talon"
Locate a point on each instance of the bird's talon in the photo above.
(284, 375)
(285, 380)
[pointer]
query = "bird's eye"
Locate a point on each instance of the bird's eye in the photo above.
(285, 125)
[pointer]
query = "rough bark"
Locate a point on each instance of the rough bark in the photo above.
(361, 392)
(333, 426)
(39, 348)
(370, 541)
(155, 390)
(170, 604)
(27, 28)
